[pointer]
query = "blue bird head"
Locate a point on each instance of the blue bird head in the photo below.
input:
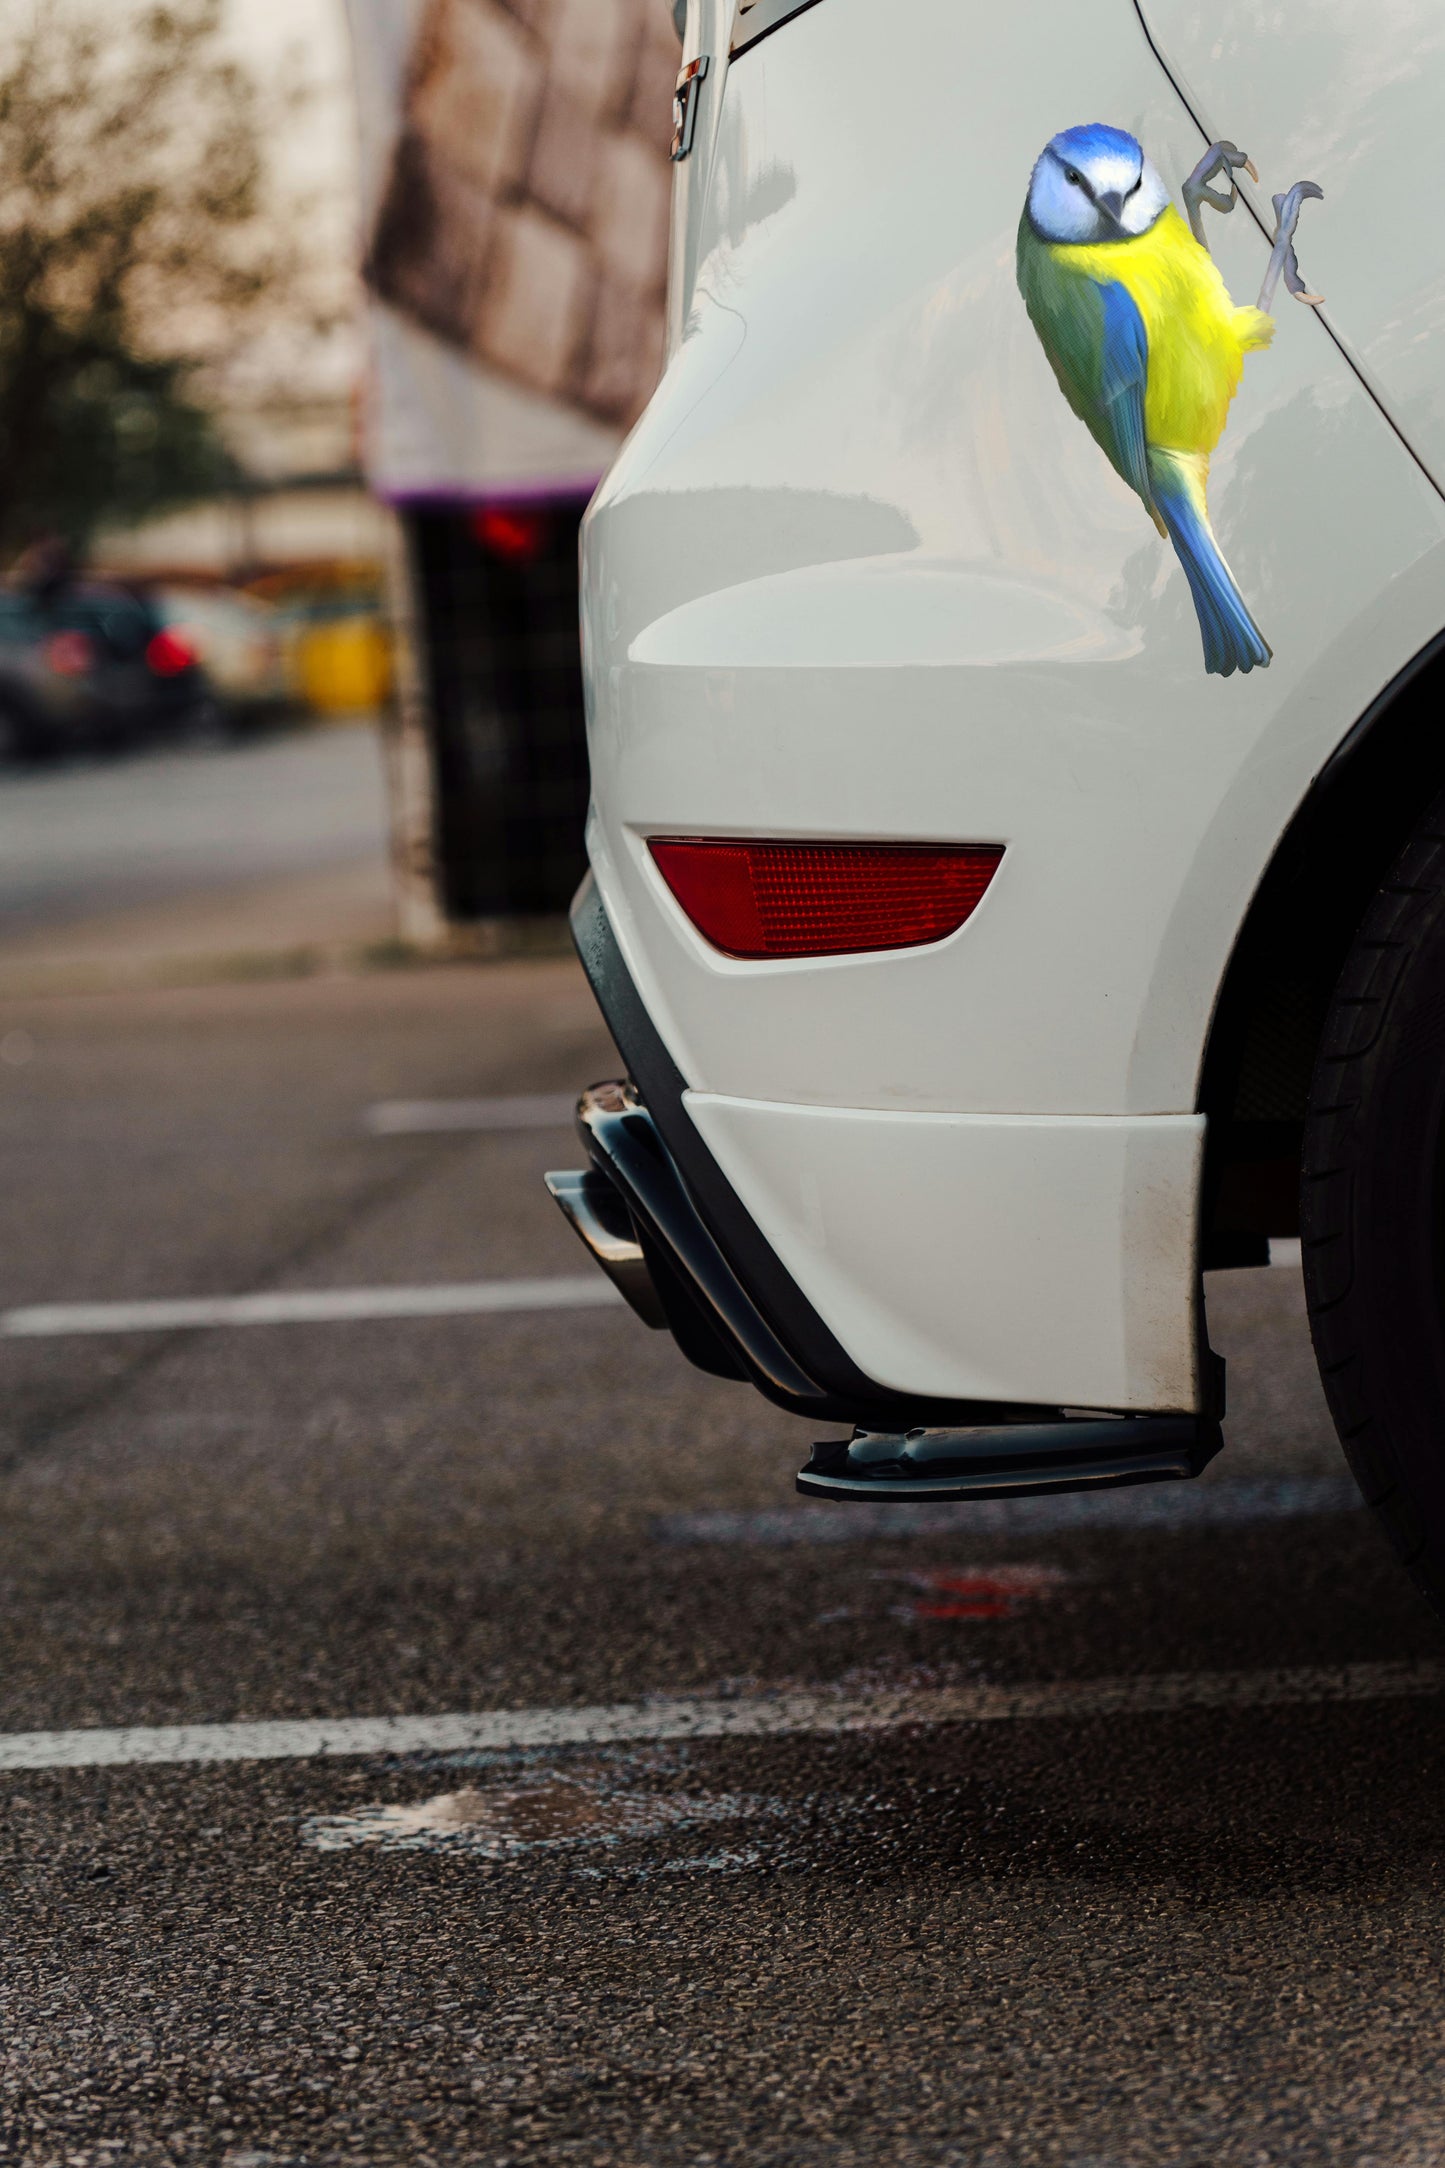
(1094, 184)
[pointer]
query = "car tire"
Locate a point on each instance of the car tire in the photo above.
(1372, 1206)
(20, 743)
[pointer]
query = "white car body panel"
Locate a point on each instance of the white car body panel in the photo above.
(859, 572)
(1353, 98)
(1003, 1225)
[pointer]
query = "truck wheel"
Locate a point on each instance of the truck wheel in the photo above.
(1372, 1210)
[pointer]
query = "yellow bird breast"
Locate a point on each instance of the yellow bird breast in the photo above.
(1197, 337)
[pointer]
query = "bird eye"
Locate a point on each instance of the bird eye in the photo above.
(1070, 175)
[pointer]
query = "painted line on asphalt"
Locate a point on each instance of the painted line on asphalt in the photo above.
(1220, 1504)
(444, 1117)
(1285, 1250)
(309, 1306)
(342, 1305)
(786, 1713)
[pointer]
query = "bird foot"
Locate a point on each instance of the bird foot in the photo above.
(1220, 158)
(1281, 256)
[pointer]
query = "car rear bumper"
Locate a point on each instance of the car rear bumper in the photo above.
(920, 1267)
(997, 1258)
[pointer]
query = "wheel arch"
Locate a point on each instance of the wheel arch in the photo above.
(1287, 957)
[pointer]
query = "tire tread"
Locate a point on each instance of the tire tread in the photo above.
(1389, 949)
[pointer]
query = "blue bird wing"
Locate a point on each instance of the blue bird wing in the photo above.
(1118, 422)
(1098, 349)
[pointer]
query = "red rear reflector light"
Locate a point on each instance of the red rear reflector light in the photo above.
(823, 899)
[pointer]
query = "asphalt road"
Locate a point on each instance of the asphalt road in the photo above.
(1179, 1900)
(103, 835)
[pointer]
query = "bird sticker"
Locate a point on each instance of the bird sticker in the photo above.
(1146, 344)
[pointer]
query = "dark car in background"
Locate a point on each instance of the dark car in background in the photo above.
(92, 665)
(142, 678)
(44, 706)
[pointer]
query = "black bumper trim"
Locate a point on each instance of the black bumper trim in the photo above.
(624, 1143)
(1019, 1460)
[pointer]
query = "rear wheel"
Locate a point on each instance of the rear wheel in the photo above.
(1372, 1214)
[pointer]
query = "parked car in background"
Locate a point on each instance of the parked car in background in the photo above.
(141, 679)
(44, 696)
(239, 644)
(1007, 908)
(91, 665)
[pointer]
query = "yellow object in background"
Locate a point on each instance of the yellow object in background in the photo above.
(343, 664)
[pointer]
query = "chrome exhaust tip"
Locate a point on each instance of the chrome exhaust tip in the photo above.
(594, 1208)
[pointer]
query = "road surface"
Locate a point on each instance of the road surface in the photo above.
(107, 835)
(446, 1739)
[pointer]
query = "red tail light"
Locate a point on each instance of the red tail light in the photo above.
(69, 654)
(823, 899)
(168, 654)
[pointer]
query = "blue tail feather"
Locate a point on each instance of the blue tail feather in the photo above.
(1232, 640)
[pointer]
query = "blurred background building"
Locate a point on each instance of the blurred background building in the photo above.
(515, 205)
(378, 288)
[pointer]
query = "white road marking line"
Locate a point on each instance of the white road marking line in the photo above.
(1225, 1504)
(755, 1716)
(309, 1306)
(1285, 1250)
(440, 1117)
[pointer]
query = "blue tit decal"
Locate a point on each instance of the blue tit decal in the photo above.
(1146, 344)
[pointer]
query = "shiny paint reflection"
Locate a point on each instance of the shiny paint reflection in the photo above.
(1353, 95)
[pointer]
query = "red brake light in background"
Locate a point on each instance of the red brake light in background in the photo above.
(823, 899)
(168, 654)
(69, 654)
(516, 533)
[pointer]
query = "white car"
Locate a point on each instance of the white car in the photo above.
(238, 643)
(1018, 884)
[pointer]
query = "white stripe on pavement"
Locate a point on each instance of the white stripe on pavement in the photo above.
(439, 1117)
(1285, 1250)
(752, 1716)
(309, 1306)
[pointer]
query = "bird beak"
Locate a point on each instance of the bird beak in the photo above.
(1113, 205)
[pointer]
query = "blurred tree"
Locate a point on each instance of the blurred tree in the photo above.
(136, 236)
